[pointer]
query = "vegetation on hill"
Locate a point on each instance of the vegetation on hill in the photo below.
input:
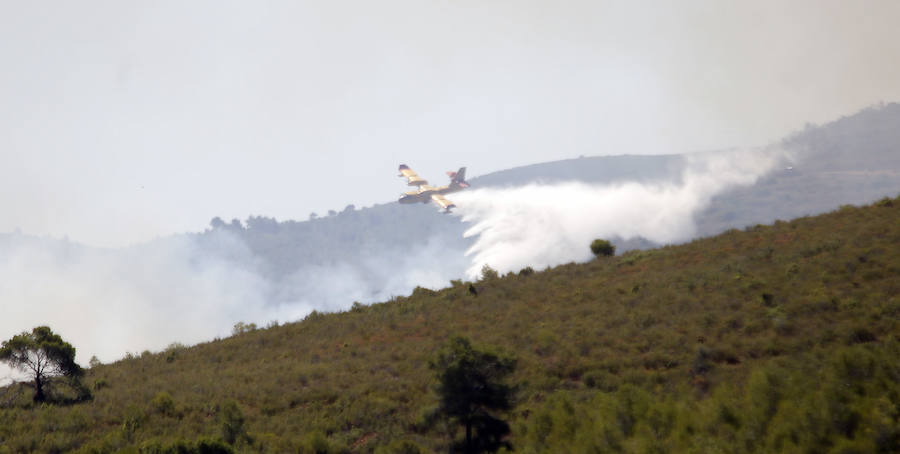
(780, 338)
(852, 160)
(471, 390)
(602, 247)
(46, 358)
(855, 160)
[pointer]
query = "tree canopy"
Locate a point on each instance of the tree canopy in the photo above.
(602, 248)
(470, 387)
(44, 355)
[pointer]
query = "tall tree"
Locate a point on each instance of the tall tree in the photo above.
(44, 355)
(470, 388)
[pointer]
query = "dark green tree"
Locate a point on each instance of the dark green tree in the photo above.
(602, 248)
(470, 388)
(44, 355)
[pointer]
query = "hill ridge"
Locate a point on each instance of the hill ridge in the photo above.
(691, 327)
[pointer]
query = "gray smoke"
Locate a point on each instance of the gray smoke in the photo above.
(107, 302)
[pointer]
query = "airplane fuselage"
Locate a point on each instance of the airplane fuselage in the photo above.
(423, 195)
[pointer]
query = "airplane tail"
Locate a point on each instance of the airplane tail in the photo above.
(458, 177)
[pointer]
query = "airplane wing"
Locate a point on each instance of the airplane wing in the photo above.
(444, 203)
(411, 176)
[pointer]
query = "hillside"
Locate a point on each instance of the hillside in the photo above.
(853, 160)
(772, 338)
(287, 268)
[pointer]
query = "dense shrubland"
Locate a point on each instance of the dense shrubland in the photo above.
(772, 338)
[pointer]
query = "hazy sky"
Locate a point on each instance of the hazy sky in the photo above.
(120, 121)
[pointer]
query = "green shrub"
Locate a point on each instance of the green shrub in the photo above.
(601, 380)
(401, 447)
(420, 292)
(163, 404)
(488, 273)
(317, 443)
(233, 429)
(134, 419)
(241, 328)
(100, 384)
(602, 248)
(861, 335)
(202, 446)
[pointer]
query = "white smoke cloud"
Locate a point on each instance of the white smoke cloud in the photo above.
(542, 225)
(374, 276)
(107, 302)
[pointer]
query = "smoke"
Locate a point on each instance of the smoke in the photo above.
(187, 289)
(376, 275)
(193, 288)
(542, 225)
(107, 302)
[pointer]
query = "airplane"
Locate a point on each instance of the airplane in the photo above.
(425, 193)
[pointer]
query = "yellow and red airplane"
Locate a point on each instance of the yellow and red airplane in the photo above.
(425, 193)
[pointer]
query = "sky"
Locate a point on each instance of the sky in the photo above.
(123, 121)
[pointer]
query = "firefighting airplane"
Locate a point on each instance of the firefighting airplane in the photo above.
(425, 193)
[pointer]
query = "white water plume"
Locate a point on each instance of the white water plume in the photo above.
(542, 225)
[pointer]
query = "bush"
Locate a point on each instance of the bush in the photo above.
(488, 273)
(202, 446)
(163, 404)
(241, 328)
(100, 384)
(422, 292)
(601, 380)
(886, 202)
(401, 447)
(861, 335)
(602, 248)
(233, 428)
(317, 443)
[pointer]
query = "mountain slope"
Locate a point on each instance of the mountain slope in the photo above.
(853, 160)
(725, 337)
